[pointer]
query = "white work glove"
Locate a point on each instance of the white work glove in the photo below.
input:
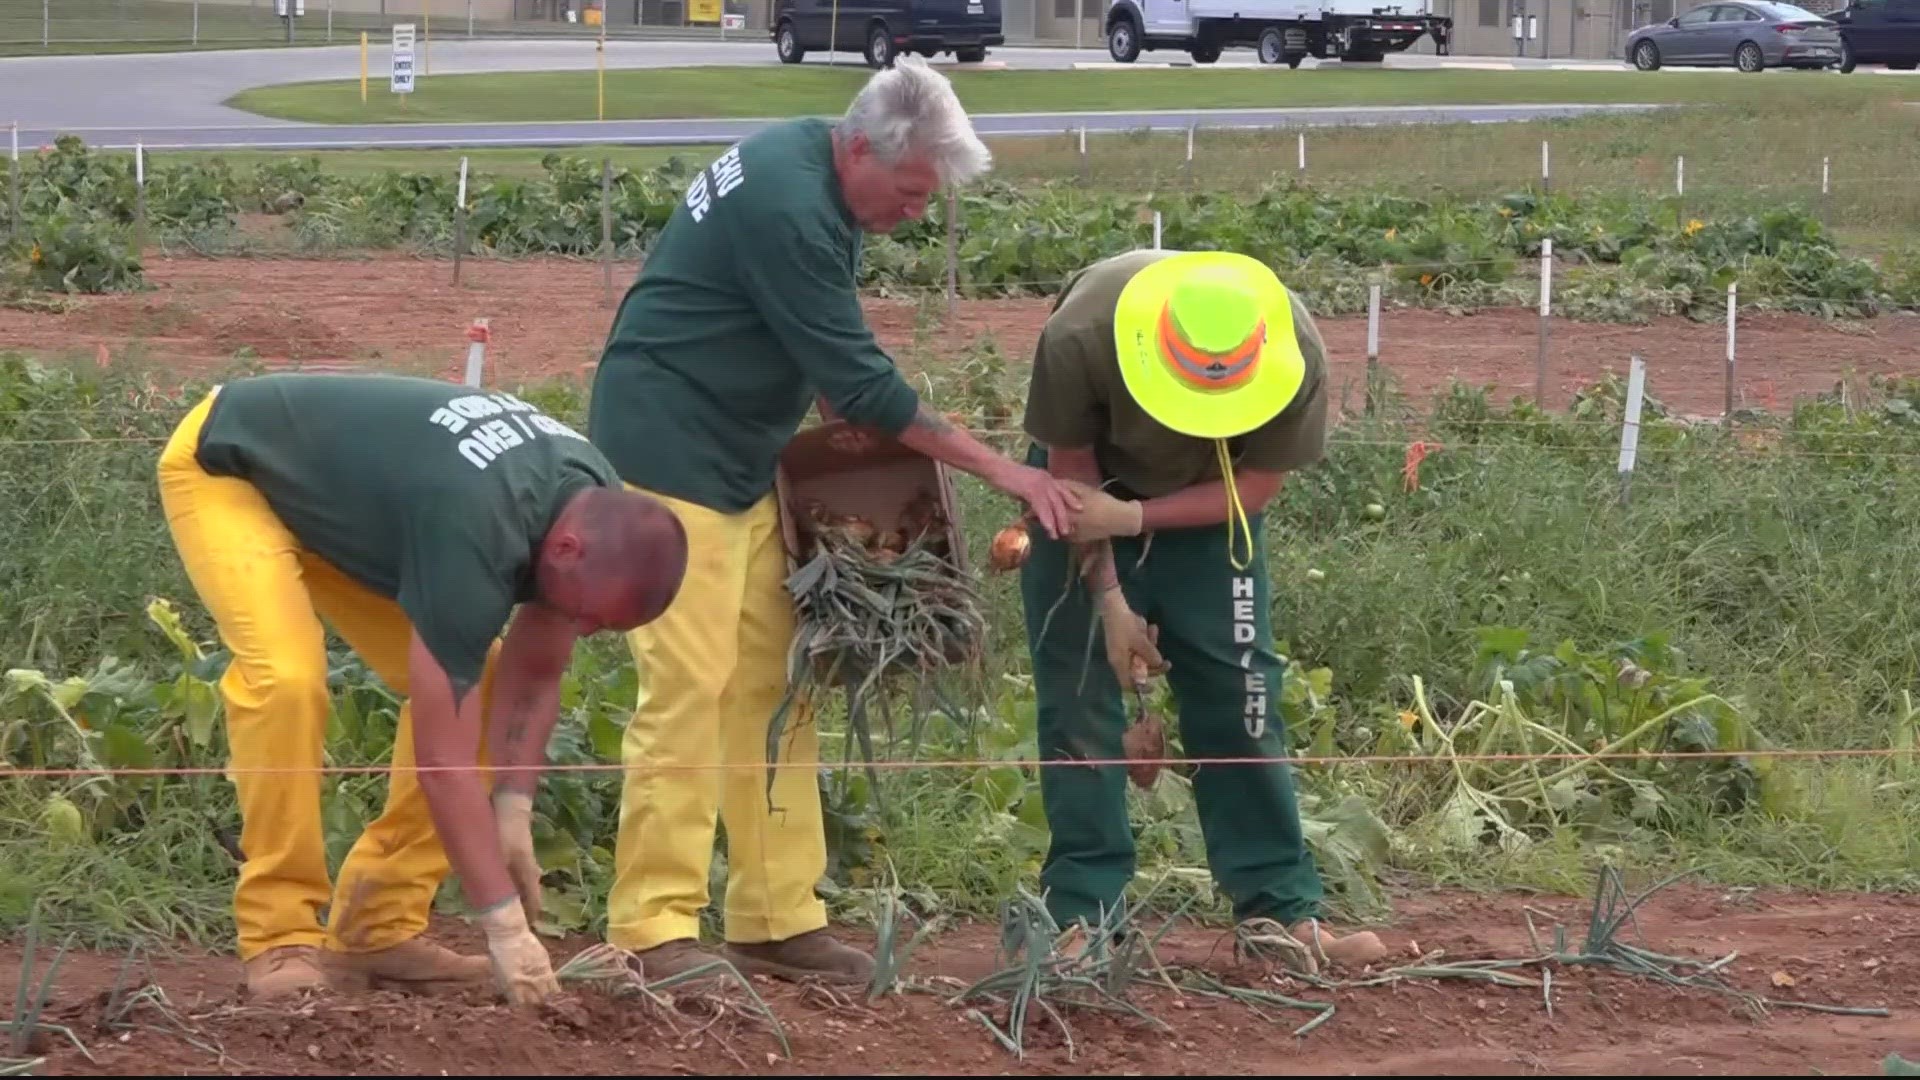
(521, 968)
(513, 821)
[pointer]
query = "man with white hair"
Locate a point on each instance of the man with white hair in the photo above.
(744, 313)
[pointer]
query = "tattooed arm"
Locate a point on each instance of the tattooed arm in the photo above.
(1053, 505)
(526, 704)
(492, 853)
(526, 695)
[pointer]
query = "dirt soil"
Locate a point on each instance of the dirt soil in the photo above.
(551, 316)
(1850, 950)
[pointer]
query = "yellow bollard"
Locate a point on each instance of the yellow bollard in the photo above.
(363, 67)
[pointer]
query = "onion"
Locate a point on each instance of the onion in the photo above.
(1010, 547)
(1145, 746)
(859, 529)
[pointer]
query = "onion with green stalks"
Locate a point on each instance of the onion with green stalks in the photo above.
(875, 608)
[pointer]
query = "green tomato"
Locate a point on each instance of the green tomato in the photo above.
(1375, 511)
(1316, 575)
(64, 820)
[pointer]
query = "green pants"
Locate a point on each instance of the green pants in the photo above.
(1225, 677)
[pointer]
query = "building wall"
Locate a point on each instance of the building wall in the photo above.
(1054, 22)
(619, 13)
(451, 10)
(1567, 29)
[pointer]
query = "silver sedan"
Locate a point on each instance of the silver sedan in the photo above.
(1751, 35)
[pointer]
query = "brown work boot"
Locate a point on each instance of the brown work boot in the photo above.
(671, 958)
(414, 962)
(285, 972)
(812, 955)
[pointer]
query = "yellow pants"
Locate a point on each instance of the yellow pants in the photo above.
(267, 595)
(712, 673)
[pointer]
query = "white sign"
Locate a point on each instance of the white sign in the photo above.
(733, 22)
(401, 81)
(280, 8)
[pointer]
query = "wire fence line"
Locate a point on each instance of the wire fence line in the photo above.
(1757, 453)
(1497, 423)
(1301, 760)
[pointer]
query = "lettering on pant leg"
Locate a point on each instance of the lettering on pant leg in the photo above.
(1255, 683)
(1243, 611)
(1256, 691)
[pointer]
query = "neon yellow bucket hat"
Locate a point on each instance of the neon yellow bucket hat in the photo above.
(1206, 343)
(1207, 347)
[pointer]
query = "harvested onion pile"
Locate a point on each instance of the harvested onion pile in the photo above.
(873, 607)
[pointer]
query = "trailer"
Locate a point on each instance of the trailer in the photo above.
(1281, 31)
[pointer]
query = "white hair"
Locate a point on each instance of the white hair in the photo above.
(909, 107)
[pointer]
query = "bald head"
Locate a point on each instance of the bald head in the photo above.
(613, 560)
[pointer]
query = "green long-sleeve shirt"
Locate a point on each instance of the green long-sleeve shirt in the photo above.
(745, 310)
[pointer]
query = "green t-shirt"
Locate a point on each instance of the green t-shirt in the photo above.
(1077, 397)
(744, 312)
(431, 494)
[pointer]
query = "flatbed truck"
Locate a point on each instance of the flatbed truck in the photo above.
(1280, 31)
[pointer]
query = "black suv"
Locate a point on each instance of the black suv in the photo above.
(883, 29)
(1879, 32)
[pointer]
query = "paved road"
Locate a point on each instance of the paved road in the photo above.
(156, 90)
(289, 136)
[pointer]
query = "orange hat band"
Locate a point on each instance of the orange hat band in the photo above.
(1212, 371)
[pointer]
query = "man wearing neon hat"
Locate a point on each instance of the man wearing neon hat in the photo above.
(1186, 384)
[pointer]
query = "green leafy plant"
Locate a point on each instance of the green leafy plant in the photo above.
(66, 251)
(1626, 258)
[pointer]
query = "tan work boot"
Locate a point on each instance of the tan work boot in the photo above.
(284, 972)
(414, 962)
(812, 955)
(671, 958)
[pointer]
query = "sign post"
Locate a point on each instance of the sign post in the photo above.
(285, 9)
(400, 81)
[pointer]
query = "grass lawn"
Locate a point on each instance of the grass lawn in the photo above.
(783, 91)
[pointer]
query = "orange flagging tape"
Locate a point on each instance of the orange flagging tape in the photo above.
(592, 767)
(1416, 453)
